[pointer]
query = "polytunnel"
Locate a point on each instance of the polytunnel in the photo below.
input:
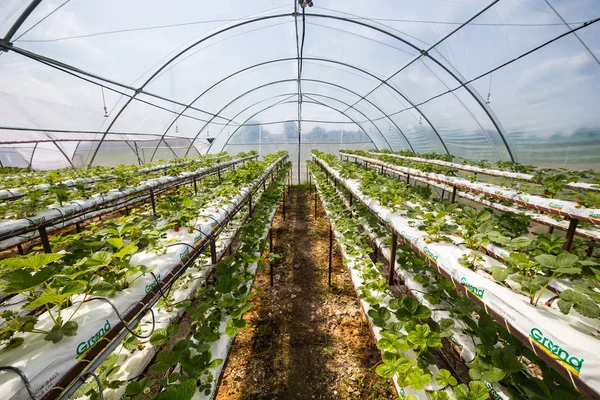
(440, 158)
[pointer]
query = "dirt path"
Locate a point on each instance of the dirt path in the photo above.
(304, 339)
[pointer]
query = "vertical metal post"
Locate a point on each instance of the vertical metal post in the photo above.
(570, 234)
(213, 258)
(250, 205)
(382, 170)
(153, 202)
(213, 252)
(408, 179)
(78, 227)
(551, 230)
(270, 251)
(20, 249)
(315, 205)
(392, 258)
(351, 198)
(284, 196)
(44, 239)
(330, 252)
(195, 186)
(443, 193)
(126, 210)
(453, 198)
(309, 185)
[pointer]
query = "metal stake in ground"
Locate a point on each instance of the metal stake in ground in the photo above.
(330, 252)
(153, 202)
(44, 239)
(284, 190)
(271, 251)
(213, 258)
(392, 258)
(570, 234)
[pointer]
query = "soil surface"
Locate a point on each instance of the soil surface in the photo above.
(304, 340)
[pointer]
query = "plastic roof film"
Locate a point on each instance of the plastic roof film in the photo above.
(97, 82)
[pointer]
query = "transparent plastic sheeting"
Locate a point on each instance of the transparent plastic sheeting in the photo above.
(56, 154)
(411, 75)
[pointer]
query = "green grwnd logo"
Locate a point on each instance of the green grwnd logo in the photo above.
(84, 346)
(492, 391)
(429, 254)
(573, 364)
(555, 206)
(154, 282)
(473, 289)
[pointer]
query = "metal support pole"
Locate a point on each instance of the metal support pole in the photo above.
(213, 252)
(284, 195)
(443, 194)
(153, 202)
(315, 205)
(270, 251)
(351, 198)
(392, 258)
(126, 210)
(309, 185)
(78, 227)
(250, 205)
(195, 186)
(382, 170)
(44, 239)
(453, 198)
(213, 259)
(551, 230)
(330, 252)
(20, 249)
(408, 179)
(571, 234)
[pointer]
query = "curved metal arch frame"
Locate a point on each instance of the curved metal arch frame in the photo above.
(325, 60)
(459, 79)
(267, 85)
(290, 102)
(287, 96)
(349, 106)
(336, 99)
(312, 101)
(176, 56)
(469, 89)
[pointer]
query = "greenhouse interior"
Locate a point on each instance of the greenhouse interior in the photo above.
(300, 199)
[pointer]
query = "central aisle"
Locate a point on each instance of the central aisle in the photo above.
(304, 340)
